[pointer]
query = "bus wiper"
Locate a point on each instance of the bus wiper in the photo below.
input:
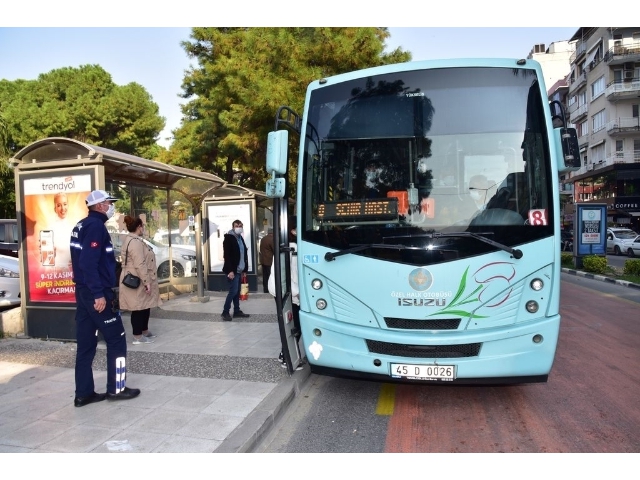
(331, 256)
(517, 253)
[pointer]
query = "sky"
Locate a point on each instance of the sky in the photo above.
(153, 57)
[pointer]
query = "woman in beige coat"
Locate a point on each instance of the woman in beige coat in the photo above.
(139, 260)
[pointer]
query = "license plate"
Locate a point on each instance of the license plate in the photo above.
(445, 373)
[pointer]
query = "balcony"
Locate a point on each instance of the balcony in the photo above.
(578, 113)
(632, 156)
(579, 81)
(623, 126)
(623, 54)
(623, 90)
(581, 48)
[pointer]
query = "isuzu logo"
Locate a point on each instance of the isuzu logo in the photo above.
(422, 302)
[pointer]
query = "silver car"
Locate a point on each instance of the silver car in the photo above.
(618, 239)
(633, 247)
(9, 281)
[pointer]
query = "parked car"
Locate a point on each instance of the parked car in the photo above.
(633, 248)
(183, 259)
(9, 281)
(186, 239)
(618, 239)
(9, 241)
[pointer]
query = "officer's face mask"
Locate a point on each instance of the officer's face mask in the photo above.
(112, 209)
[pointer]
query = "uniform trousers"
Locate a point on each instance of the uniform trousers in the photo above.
(109, 323)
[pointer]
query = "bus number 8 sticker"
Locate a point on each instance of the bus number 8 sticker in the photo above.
(538, 217)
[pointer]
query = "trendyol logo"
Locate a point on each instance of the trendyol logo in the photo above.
(65, 185)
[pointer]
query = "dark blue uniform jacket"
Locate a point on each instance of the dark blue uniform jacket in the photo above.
(92, 256)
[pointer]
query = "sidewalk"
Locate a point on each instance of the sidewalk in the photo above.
(207, 385)
(601, 278)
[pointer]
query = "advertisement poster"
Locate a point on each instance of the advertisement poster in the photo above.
(52, 207)
(591, 229)
(221, 217)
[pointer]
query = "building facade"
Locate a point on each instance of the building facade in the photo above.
(603, 102)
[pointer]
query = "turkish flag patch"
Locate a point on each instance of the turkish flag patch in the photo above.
(94, 244)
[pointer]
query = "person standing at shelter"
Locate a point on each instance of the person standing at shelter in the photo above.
(94, 274)
(266, 258)
(236, 262)
(140, 261)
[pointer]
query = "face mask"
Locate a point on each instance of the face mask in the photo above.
(475, 195)
(111, 211)
(238, 230)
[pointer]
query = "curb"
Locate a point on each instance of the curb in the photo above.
(259, 423)
(601, 278)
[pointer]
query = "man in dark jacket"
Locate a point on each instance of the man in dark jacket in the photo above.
(235, 264)
(94, 273)
(266, 258)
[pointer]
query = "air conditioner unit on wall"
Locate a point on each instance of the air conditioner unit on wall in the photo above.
(628, 74)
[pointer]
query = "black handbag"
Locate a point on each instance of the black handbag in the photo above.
(130, 280)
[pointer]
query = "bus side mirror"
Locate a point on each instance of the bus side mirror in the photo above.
(277, 143)
(277, 147)
(570, 148)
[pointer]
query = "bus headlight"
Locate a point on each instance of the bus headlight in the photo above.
(316, 284)
(532, 306)
(321, 304)
(537, 284)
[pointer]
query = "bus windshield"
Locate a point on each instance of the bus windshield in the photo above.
(427, 159)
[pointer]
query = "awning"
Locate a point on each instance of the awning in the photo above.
(595, 44)
(596, 144)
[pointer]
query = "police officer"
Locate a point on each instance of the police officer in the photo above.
(94, 273)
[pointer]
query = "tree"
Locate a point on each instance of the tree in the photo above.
(7, 192)
(84, 104)
(244, 75)
(80, 103)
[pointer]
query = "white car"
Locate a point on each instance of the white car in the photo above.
(9, 281)
(618, 239)
(633, 247)
(183, 259)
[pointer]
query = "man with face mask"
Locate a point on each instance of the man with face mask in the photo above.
(94, 273)
(235, 264)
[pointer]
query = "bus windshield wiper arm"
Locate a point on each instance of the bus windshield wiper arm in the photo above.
(517, 253)
(329, 256)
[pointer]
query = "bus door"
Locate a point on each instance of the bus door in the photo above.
(282, 272)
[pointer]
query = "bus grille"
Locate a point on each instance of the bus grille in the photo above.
(406, 324)
(424, 351)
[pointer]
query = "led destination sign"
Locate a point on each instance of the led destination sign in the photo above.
(381, 209)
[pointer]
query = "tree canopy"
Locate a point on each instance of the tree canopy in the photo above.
(244, 75)
(80, 103)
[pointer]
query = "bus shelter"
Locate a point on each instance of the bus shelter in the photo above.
(53, 177)
(220, 209)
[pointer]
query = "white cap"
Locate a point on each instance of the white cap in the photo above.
(99, 196)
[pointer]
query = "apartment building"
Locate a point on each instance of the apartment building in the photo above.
(602, 94)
